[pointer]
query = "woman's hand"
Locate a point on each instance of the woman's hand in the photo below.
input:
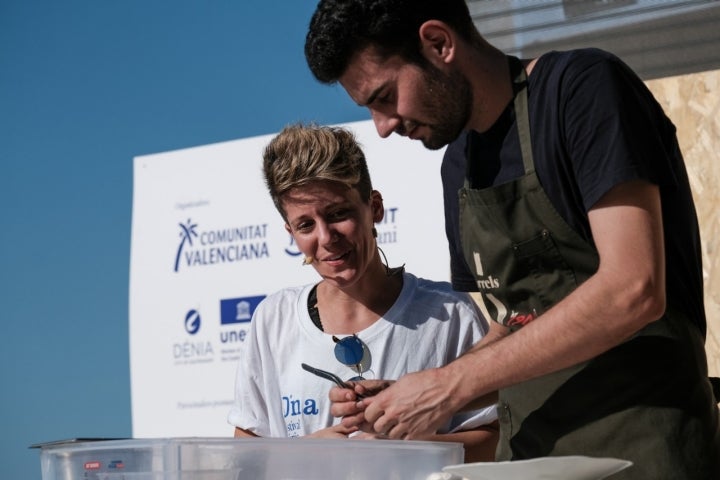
(336, 431)
(346, 404)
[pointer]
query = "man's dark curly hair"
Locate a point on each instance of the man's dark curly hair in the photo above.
(340, 28)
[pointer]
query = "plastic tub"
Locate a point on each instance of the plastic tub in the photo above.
(246, 459)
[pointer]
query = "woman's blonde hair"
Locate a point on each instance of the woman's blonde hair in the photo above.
(304, 153)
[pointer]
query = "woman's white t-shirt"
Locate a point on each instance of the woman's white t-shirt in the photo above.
(428, 326)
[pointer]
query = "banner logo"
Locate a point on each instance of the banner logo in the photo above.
(222, 245)
(238, 310)
(187, 232)
(192, 322)
(235, 316)
(196, 350)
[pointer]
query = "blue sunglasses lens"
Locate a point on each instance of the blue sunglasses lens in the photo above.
(349, 350)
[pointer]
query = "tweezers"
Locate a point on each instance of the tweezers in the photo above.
(330, 376)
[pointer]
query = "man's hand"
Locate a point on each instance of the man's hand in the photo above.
(414, 406)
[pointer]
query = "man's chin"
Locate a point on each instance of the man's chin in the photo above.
(433, 145)
(440, 138)
(434, 142)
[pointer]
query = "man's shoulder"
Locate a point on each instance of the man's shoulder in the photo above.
(566, 64)
(578, 55)
(454, 155)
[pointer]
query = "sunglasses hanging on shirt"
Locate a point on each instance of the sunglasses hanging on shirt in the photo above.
(352, 352)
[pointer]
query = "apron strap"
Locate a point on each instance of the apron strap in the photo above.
(520, 83)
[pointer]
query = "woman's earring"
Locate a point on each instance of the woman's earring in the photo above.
(307, 261)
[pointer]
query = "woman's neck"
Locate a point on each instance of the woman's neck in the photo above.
(351, 310)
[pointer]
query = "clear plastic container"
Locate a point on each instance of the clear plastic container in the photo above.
(231, 474)
(246, 459)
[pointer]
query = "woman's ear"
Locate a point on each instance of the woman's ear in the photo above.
(438, 41)
(288, 229)
(376, 203)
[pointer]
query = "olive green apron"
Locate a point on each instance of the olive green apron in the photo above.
(642, 401)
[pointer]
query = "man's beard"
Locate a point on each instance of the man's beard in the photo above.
(448, 102)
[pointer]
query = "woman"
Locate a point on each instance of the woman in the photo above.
(378, 322)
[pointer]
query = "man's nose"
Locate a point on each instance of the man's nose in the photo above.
(385, 124)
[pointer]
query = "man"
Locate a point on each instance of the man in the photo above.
(575, 223)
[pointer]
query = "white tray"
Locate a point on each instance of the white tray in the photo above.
(546, 468)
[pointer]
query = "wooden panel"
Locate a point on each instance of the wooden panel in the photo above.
(692, 102)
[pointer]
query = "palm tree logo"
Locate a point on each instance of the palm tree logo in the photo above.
(187, 231)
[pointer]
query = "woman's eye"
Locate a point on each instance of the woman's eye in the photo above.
(339, 214)
(303, 226)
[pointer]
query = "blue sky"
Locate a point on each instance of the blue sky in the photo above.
(85, 86)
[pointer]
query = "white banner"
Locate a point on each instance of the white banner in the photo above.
(207, 245)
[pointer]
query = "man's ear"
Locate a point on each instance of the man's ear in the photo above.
(288, 229)
(438, 41)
